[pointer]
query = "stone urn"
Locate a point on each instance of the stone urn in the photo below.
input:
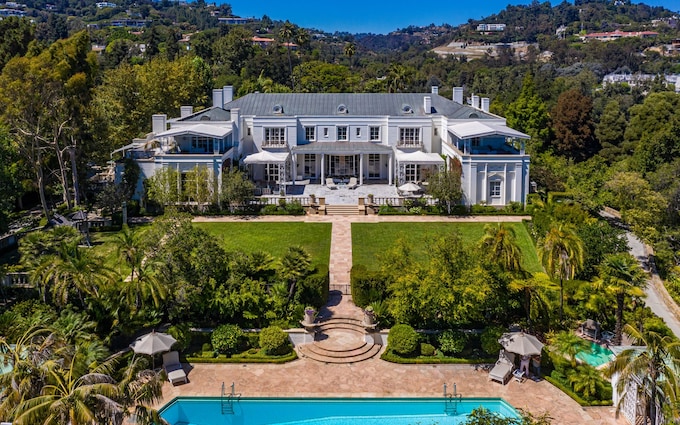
(369, 316)
(310, 314)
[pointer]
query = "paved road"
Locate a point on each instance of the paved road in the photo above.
(656, 299)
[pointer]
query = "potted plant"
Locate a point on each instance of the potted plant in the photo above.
(310, 312)
(369, 316)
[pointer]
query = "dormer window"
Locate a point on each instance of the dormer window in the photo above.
(406, 109)
(342, 109)
(277, 109)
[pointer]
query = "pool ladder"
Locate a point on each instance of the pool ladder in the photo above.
(451, 401)
(227, 399)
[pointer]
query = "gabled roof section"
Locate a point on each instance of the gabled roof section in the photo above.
(214, 113)
(354, 104)
(471, 129)
(207, 130)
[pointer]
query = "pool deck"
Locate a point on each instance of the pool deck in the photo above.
(377, 378)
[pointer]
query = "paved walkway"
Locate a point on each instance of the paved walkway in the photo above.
(376, 378)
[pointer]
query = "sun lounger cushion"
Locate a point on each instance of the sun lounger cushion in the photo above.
(174, 368)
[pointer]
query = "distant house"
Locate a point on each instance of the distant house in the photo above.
(12, 12)
(233, 20)
(376, 138)
(639, 78)
(134, 23)
(103, 4)
(490, 27)
(616, 35)
(264, 42)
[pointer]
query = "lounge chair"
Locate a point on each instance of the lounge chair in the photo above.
(331, 184)
(352, 183)
(173, 368)
(503, 367)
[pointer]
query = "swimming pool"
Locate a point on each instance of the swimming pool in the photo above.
(328, 411)
(597, 356)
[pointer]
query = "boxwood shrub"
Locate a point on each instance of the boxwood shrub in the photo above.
(226, 338)
(402, 339)
(274, 341)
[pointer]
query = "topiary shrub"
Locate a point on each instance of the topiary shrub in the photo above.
(206, 347)
(226, 338)
(402, 339)
(274, 341)
(489, 339)
(426, 349)
(452, 342)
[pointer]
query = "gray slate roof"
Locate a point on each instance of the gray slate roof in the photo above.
(209, 114)
(357, 104)
(339, 148)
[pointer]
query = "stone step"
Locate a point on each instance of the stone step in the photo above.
(346, 326)
(306, 351)
(342, 210)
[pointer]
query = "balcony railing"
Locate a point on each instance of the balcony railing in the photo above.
(266, 144)
(409, 144)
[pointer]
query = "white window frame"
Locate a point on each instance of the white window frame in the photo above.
(411, 172)
(409, 136)
(310, 134)
(374, 134)
(495, 188)
(271, 172)
(341, 133)
(274, 136)
(358, 132)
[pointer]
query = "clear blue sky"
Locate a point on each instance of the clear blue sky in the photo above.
(383, 16)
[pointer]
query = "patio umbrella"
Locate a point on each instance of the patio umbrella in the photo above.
(409, 187)
(152, 344)
(521, 343)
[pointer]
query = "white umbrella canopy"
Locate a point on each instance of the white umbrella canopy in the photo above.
(153, 343)
(409, 187)
(521, 343)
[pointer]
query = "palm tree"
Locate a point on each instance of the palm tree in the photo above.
(295, 264)
(561, 253)
(586, 380)
(144, 286)
(72, 270)
(621, 275)
(72, 399)
(26, 357)
(286, 34)
(536, 299)
(569, 344)
(128, 248)
(143, 388)
(651, 369)
(499, 243)
(350, 50)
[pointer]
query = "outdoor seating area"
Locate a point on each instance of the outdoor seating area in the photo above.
(591, 330)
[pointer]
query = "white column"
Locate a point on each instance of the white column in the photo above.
(293, 166)
(323, 170)
(390, 169)
(361, 169)
(472, 185)
(519, 184)
(485, 182)
(505, 185)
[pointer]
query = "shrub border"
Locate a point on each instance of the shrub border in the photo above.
(575, 396)
(388, 356)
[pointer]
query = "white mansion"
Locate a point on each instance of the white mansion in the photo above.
(377, 138)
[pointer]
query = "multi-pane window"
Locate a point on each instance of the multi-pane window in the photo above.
(342, 133)
(495, 188)
(271, 172)
(476, 141)
(373, 166)
(409, 136)
(411, 171)
(374, 133)
(310, 134)
(275, 136)
(201, 144)
(310, 165)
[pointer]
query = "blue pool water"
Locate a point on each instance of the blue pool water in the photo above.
(597, 356)
(328, 411)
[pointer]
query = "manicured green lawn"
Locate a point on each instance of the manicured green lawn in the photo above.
(274, 238)
(370, 239)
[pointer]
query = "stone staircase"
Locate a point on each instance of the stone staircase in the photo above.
(340, 340)
(342, 209)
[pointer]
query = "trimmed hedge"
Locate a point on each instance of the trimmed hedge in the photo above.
(246, 358)
(403, 339)
(390, 356)
(313, 289)
(274, 341)
(367, 286)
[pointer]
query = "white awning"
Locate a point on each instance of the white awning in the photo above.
(479, 129)
(419, 157)
(208, 130)
(266, 157)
